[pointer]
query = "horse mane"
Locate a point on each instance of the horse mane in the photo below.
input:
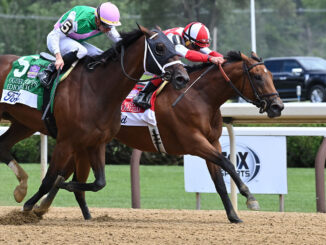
(112, 53)
(231, 56)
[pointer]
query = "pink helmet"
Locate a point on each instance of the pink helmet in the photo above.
(197, 33)
(109, 14)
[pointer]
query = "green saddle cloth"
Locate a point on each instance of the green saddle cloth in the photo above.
(22, 84)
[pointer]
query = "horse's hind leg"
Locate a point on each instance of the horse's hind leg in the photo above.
(14, 134)
(96, 156)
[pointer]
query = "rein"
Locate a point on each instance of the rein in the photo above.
(262, 104)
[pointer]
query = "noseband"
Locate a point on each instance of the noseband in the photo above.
(261, 99)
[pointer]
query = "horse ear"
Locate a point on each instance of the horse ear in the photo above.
(144, 30)
(255, 56)
(158, 28)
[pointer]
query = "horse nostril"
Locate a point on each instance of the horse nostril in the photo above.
(277, 107)
(180, 78)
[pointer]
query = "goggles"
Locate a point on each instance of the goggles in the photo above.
(106, 26)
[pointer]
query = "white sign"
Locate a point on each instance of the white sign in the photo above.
(261, 164)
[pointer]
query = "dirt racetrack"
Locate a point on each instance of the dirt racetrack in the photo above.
(144, 226)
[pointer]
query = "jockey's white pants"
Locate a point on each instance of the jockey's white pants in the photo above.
(68, 45)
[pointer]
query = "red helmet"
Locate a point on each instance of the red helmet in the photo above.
(197, 33)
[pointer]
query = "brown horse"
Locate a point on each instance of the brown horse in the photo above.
(194, 125)
(87, 107)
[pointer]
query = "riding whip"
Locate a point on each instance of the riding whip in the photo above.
(184, 93)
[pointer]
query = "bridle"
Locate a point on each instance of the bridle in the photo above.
(260, 99)
(165, 75)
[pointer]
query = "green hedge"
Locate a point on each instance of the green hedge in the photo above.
(301, 152)
(28, 151)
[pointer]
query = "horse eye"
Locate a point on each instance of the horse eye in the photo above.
(159, 49)
(257, 77)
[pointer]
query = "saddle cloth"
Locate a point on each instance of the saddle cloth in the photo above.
(22, 85)
(132, 115)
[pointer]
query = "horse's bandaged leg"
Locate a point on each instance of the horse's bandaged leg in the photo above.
(21, 189)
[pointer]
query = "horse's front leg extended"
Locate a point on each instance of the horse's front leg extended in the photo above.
(220, 187)
(205, 150)
(82, 168)
(61, 154)
(97, 161)
(227, 166)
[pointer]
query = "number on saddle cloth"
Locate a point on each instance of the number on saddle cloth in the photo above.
(22, 81)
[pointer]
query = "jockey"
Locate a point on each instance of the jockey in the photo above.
(67, 40)
(192, 43)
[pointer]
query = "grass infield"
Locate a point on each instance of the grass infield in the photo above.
(162, 187)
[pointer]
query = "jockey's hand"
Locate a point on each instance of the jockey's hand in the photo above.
(217, 60)
(59, 63)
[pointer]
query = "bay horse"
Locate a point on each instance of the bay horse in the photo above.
(194, 125)
(87, 107)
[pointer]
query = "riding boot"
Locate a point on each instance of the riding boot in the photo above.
(143, 98)
(45, 75)
(68, 59)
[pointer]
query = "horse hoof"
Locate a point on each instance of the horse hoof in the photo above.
(87, 217)
(235, 221)
(20, 193)
(40, 211)
(253, 205)
(27, 208)
(233, 217)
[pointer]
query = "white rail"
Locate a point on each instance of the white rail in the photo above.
(293, 113)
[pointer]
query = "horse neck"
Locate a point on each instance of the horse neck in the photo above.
(215, 90)
(110, 84)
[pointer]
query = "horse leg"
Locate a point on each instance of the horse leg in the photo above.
(82, 169)
(80, 175)
(97, 161)
(207, 151)
(61, 155)
(14, 134)
(218, 180)
(217, 177)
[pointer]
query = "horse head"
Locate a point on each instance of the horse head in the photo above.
(161, 58)
(257, 85)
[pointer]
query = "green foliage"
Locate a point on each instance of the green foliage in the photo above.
(117, 153)
(284, 27)
(301, 150)
(27, 150)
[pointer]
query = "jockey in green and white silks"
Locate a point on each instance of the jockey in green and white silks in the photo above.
(67, 40)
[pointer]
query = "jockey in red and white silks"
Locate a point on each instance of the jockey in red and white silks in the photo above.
(191, 42)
